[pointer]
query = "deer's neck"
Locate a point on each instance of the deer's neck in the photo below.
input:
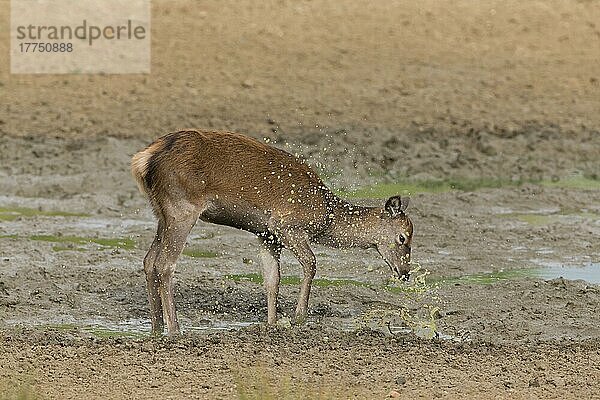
(351, 226)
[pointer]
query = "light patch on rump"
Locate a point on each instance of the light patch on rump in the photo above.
(139, 163)
(139, 167)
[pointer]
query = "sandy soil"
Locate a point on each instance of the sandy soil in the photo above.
(368, 92)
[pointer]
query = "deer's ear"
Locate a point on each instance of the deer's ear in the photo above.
(396, 205)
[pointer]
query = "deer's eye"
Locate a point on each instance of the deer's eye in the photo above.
(401, 238)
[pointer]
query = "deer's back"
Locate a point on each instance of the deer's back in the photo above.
(237, 172)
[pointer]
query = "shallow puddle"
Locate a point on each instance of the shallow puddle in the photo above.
(589, 272)
(127, 328)
(98, 328)
(547, 271)
(139, 328)
(136, 328)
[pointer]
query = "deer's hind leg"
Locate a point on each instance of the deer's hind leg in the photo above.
(152, 282)
(307, 259)
(179, 219)
(296, 240)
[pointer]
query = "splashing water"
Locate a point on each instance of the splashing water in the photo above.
(417, 313)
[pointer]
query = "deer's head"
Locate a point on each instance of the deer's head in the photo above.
(394, 236)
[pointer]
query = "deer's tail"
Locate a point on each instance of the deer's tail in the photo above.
(139, 168)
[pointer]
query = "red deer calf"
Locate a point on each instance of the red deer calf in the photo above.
(230, 179)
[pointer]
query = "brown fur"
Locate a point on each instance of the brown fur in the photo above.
(230, 179)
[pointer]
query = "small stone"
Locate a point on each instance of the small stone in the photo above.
(400, 381)
(534, 382)
(248, 84)
(394, 394)
(284, 322)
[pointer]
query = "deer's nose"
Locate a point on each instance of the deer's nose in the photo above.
(404, 276)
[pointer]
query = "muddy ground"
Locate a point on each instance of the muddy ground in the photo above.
(499, 98)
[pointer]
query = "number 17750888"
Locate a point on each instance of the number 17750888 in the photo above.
(40, 47)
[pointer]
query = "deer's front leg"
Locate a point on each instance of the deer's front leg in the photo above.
(297, 243)
(309, 265)
(269, 255)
